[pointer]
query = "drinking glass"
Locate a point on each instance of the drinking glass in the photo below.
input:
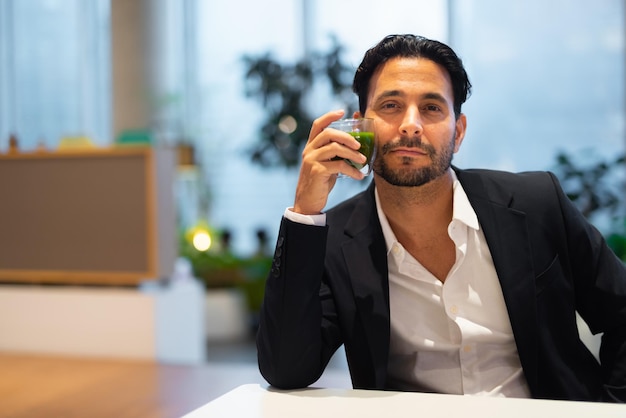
(362, 129)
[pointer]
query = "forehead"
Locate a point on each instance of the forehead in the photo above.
(411, 75)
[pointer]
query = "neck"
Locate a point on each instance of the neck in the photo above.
(419, 218)
(430, 201)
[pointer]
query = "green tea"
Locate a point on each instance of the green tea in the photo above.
(367, 146)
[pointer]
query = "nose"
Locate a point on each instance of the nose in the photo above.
(411, 123)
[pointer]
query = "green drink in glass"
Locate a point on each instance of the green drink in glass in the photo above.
(362, 129)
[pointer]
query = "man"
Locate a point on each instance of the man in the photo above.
(435, 278)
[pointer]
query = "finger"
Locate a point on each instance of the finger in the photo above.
(323, 121)
(342, 138)
(332, 151)
(344, 167)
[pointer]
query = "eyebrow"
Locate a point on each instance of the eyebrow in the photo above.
(435, 96)
(388, 93)
(398, 93)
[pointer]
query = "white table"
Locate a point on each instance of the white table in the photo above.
(252, 401)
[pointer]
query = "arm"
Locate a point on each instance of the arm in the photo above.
(298, 332)
(600, 279)
(298, 329)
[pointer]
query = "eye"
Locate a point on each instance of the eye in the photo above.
(432, 108)
(388, 107)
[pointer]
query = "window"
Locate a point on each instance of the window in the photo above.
(54, 71)
(547, 76)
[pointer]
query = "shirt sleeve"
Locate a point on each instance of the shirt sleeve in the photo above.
(317, 220)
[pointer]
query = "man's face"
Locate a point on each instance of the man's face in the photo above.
(411, 101)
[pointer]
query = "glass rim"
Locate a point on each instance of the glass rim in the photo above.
(342, 123)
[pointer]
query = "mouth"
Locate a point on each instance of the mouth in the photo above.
(408, 148)
(408, 152)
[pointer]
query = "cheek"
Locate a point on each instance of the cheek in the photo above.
(383, 140)
(384, 132)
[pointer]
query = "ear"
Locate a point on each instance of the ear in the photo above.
(459, 134)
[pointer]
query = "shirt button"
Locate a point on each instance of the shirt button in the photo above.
(467, 348)
(454, 310)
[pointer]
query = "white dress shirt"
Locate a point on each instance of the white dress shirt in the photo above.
(452, 337)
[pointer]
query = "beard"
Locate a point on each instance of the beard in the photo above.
(408, 176)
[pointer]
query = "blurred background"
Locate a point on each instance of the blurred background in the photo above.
(232, 88)
(548, 78)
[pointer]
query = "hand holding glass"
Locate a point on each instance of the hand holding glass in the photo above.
(362, 130)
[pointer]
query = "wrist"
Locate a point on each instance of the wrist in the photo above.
(318, 219)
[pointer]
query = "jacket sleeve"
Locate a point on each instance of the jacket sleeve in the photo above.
(298, 331)
(600, 279)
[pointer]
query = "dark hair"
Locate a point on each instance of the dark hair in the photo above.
(414, 47)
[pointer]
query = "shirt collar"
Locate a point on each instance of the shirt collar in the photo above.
(462, 211)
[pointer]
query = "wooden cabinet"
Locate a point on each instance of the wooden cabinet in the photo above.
(101, 216)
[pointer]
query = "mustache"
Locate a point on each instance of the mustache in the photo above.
(408, 142)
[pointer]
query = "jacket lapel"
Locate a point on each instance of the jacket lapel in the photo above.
(506, 233)
(369, 279)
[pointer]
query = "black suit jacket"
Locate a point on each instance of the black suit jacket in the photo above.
(328, 286)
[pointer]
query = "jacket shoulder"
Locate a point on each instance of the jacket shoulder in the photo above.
(504, 186)
(506, 177)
